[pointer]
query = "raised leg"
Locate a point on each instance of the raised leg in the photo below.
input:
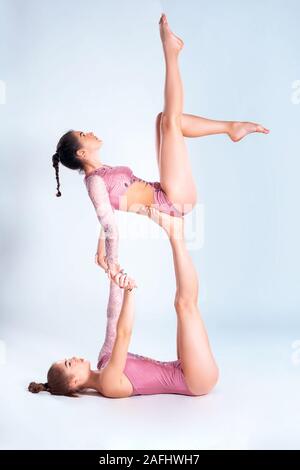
(172, 125)
(197, 126)
(198, 364)
(175, 171)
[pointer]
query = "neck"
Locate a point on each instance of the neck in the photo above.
(94, 381)
(91, 167)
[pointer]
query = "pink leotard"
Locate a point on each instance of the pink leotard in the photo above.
(106, 185)
(149, 376)
(117, 180)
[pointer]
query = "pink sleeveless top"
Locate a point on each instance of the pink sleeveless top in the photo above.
(149, 376)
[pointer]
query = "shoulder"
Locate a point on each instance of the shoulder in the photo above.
(96, 186)
(94, 177)
(115, 385)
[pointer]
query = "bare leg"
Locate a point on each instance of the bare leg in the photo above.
(172, 125)
(175, 171)
(197, 126)
(198, 364)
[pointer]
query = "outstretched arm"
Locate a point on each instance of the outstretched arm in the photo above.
(114, 307)
(105, 213)
(112, 374)
(100, 256)
(113, 310)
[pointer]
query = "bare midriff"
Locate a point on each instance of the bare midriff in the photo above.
(138, 195)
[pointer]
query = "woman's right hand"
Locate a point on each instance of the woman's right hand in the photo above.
(111, 269)
(114, 272)
(100, 259)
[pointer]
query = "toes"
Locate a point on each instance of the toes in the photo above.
(163, 18)
(262, 129)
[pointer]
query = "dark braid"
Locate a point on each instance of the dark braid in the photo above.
(55, 162)
(66, 154)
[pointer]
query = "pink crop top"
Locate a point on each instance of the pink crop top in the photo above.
(149, 376)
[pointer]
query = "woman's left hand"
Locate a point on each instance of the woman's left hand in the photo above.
(124, 281)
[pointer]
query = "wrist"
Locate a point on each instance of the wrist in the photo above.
(128, 291)
(113, 265)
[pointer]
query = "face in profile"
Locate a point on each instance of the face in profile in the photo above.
(88, 140)
(76, 369)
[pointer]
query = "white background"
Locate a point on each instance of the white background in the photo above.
(98, 66)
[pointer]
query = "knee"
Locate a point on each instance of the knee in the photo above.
(214, 378)
(185, 304)
(209, 384)
(158, 118)
(169, 121)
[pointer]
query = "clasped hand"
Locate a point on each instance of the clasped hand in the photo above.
(115, 273)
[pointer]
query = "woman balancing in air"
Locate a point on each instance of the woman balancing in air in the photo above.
(118, 188)
(123, 374)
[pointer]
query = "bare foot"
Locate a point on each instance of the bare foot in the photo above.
(238, 130)
(173, 226)
(170, 41)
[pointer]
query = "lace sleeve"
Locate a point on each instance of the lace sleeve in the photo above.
(105, 212)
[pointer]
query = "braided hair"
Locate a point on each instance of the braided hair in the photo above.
(58, 383)
(35, 387)
(66, 154)
(55, 162)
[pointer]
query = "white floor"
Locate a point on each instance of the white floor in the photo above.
(256, 404)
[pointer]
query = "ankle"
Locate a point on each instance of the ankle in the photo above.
(170, 55)
(229, 127)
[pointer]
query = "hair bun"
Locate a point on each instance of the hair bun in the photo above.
(37, 387)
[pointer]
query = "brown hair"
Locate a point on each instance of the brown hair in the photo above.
(65, 153)
(58, 383)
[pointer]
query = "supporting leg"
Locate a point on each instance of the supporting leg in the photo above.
(178, 341)
(197, 361)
